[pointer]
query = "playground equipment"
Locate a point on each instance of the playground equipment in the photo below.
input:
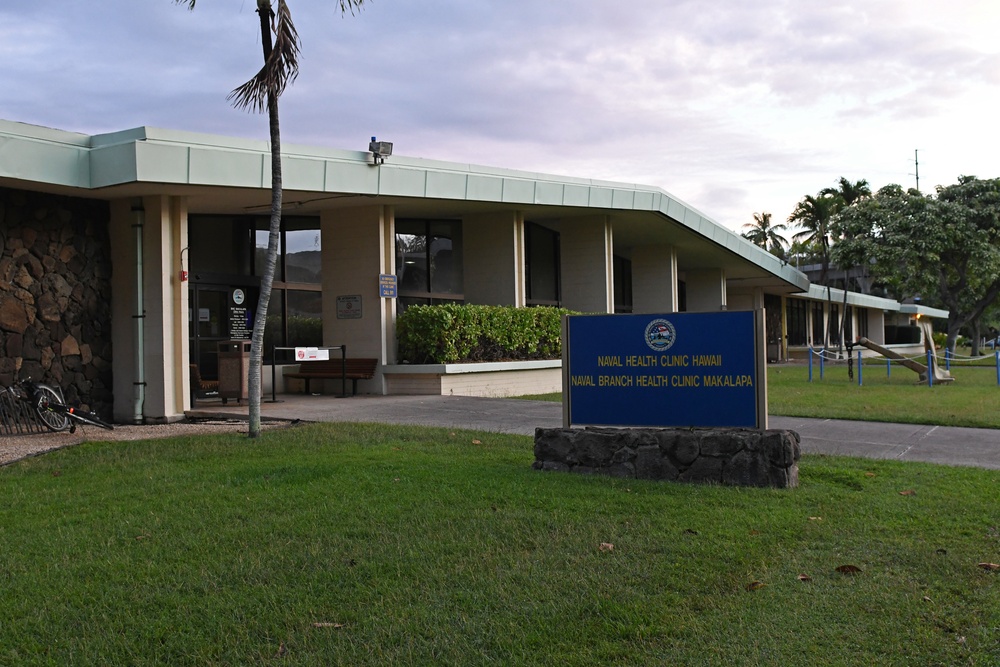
(937, 373)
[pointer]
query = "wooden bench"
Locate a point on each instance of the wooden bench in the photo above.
(202, 388)
(353, 370)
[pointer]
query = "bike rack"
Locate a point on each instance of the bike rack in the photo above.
(17, 417)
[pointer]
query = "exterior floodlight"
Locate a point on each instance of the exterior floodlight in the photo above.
(380, 150)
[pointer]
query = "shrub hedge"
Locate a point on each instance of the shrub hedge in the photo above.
(453, 333)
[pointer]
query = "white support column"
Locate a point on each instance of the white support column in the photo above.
(358, 245)
(181, 295)
(587, 264)
(654, 279)
(706, 290)
(493, 255)
(165, 342)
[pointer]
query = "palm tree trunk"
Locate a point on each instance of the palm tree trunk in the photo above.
(271, 261)
(267, 280)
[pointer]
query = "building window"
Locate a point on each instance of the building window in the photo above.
(623, 284)
(796, 313)
(542, 265)
(817, 324)
(303, 258)
(298, 278)
(228, 252)
(834, 324)
(429, 262)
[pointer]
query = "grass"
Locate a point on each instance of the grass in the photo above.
(972, 400)
(341, 544)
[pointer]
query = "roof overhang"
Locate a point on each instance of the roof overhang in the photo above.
(923, 311)
(232, 175)
(858, 300)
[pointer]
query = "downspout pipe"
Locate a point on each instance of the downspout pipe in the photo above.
(139, 383)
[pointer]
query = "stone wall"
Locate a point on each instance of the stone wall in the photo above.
(55, 294)
(739, 457)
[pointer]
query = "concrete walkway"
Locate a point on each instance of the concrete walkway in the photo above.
(904, 442)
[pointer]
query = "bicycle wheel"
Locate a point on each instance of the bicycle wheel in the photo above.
(89, 418)
(45, 399)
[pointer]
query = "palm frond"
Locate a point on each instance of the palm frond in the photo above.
(350, 6)
(189, 3)
(280, 68)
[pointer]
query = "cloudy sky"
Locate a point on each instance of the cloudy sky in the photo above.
(734, 106)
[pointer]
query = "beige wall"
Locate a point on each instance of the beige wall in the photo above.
(745, 299)
(165, 343)
(493, 257)
(586, 264)
(654, 279)
(876, 325)
(358, 245)
(706, 290)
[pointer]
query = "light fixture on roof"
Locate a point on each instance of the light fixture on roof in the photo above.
(380, 150)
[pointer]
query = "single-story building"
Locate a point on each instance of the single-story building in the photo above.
(127, 258)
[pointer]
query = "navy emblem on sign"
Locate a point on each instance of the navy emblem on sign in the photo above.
(660, 335)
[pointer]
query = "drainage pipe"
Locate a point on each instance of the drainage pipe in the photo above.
(139, 365)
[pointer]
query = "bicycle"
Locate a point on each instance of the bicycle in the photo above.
(52, 411)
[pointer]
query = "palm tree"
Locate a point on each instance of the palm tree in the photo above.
(763, 234)
(814, 214)
(261, 93)
(849, 192)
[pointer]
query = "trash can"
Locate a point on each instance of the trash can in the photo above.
(234, 370)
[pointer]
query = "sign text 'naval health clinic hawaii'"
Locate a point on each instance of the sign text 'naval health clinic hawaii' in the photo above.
(677, 369)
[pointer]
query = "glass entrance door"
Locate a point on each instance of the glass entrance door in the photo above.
(208, 325)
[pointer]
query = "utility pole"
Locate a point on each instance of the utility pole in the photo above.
(916, 166)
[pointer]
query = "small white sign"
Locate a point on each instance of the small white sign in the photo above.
(349, 307)
(311, 354)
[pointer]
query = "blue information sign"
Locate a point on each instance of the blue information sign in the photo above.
(387, 285)
(676, 369)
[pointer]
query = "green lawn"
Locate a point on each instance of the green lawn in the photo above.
(338, 544)
(973, 399)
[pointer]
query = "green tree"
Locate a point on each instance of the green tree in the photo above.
(801, 253)
(280, 43)
(848, 192)
(814, 215)
(765, 234)
(944, 249)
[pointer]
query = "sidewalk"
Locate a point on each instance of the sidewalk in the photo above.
(904, 442)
